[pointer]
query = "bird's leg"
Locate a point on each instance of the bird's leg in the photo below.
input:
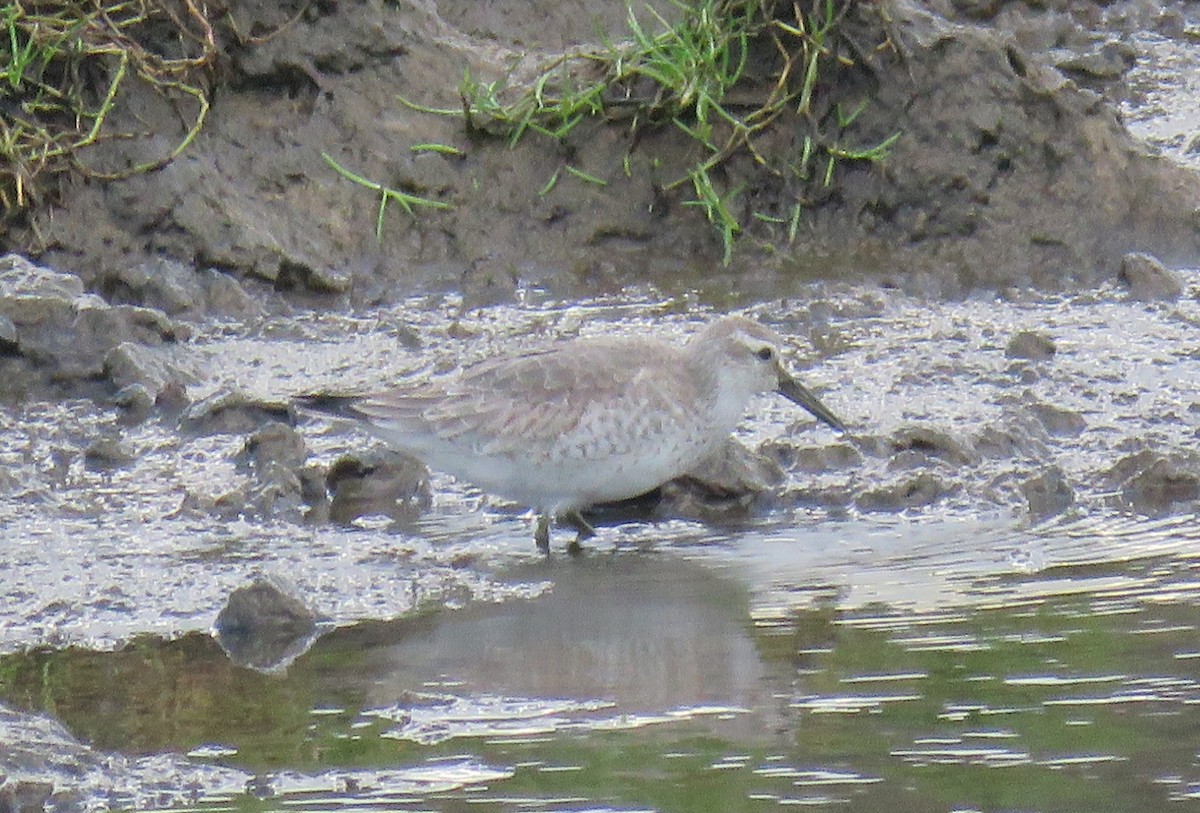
(585, 529)
(541, 536)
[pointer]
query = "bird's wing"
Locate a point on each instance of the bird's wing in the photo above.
(585, 399)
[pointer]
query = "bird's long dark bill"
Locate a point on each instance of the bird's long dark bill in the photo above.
(797, 393)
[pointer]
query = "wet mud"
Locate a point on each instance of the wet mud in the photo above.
(211, 599)
(1013, 166)
(1006, 455)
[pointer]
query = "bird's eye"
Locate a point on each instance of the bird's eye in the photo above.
(766, 354)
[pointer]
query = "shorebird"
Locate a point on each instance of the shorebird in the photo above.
(588, 421)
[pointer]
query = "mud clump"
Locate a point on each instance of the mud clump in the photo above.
(729, 484)
(382, 483)
(921, 489)
(60, 337)
(1032, 345)
(915, 445)
(177, 290)
(1047, 493)
(1147, 279)
(1154, 484)
(264, 626)
(1006, 170)
(231, 413)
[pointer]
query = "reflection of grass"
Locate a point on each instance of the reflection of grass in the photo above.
(63, 65)
(682, 74)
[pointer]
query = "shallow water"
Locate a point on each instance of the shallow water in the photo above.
(947, 653)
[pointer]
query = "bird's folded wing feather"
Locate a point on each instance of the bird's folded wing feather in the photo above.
(586, 400)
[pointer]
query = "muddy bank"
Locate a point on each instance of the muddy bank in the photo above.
(1011, 168)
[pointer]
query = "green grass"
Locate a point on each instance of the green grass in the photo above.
(62, 66)
(681, 74)
(407, 201)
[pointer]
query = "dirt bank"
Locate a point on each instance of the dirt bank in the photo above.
(1011, 168)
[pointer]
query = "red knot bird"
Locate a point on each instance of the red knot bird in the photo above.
(588, 421)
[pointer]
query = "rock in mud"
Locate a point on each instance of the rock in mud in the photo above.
(922, 488)
(1048, 493)
(108, 453)
(384, 482)
(157, 369)
(1148, 279)
(66, 334)
(23, 795)
(912, 445)
(282, 484)
(8, 334)
(177, 289)
(317, 279)
(264, 626)
(729, 484)
(1108, 61)
(1018, 434)
(812, 459)
(136, 401)
(232, 413)
(1059, 421)
(275, 444)
(1154, 484)
(1030, 344)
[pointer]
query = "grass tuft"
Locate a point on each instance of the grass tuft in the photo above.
(63, 65)
(407, 201)
(681, 74)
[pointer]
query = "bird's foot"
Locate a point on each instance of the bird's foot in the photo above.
(541, 536)
(584, 529)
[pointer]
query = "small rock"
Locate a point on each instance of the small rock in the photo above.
(735, 470)
(1059, 421)
(177, 289)
(1018, 434)
(8, 334)
(1110, 61)
(387, 483)
(66, 332)
(1048, 493)
(154, 368)
(932, 443)
(921, 489)
(1148, 279)
(265, 627)
(728, 484)
(276, 452)
(231, 413)
(160, 283)
(136, 400)
(1030, 344)
(24, 796)
(20, 277)
(224, 295)
(316, 278)
(277, 491)
(264, 605)
(108, 453)
(278, 444)
(1153, 484)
